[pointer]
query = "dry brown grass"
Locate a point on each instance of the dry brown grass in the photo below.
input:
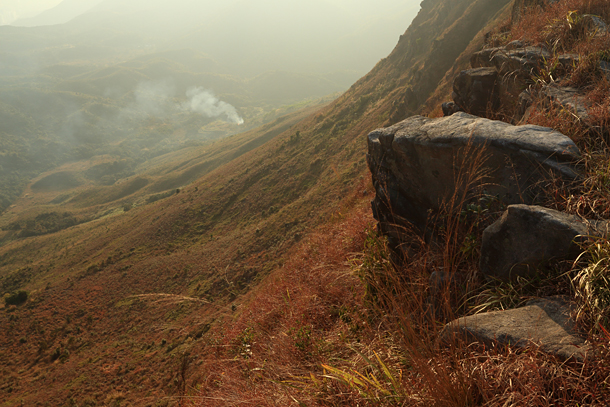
(292, 323)
(558, 25)
(421, 370)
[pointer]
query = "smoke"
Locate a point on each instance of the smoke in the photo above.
(153, 98)
(157, 99)
(204, 102)
(72, 125)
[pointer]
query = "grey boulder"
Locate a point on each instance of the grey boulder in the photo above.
(418, 164)
(528, 237)
(594, 25)
(545, 323)
(450, 108)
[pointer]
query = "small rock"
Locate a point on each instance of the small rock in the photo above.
(516, 44)
(568, 61)
(450, 108)
(544, 322)
(524, 107)
(594, 25)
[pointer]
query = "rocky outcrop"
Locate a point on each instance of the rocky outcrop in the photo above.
(420, 163)
(497, 73)
(439, 34)
(545, 322)
(426, 168)
(518, 65)
(517, 61)
(475, 91)
(528, 237)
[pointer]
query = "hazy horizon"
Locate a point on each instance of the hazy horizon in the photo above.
(14, 10)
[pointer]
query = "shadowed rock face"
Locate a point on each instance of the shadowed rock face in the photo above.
(418, 164)
(544, 322)
(518, 61)
(527, 237)
(475, 90)
(479, 92)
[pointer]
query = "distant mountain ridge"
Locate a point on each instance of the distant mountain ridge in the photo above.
(60, 14)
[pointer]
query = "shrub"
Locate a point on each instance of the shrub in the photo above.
(16, 298)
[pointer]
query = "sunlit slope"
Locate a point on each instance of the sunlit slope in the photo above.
(96, 187)
(200, 249)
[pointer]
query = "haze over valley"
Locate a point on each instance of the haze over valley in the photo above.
(135, 79)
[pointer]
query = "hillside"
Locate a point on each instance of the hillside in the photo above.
(235, 272)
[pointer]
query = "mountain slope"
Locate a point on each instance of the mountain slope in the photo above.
(117, 302)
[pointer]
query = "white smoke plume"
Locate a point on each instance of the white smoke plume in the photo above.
(204, 102)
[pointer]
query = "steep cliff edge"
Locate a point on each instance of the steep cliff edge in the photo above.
(440, 33)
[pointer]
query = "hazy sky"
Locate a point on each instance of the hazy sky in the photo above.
(10, 10)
